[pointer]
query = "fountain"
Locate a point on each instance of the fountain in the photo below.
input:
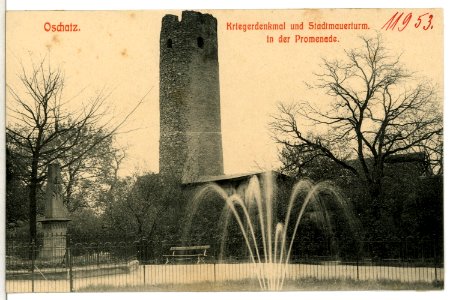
(265, 237)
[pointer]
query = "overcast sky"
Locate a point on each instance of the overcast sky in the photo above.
(119, 52)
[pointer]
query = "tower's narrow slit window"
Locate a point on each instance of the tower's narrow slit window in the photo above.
(169, 43)
(200, 42)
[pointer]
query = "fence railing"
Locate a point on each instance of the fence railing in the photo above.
(34, 267)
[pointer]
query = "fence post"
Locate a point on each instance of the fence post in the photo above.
(144, 274)
(97, 254)
(357, 266)
(435, 262)
(215, 278)
(144, 258)
(69, 259)
(33, 249)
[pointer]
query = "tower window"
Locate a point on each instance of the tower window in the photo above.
(200, 42)
(169, 43)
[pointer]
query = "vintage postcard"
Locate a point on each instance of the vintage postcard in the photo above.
(224, 150)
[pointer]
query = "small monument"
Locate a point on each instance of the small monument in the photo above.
(55, 221)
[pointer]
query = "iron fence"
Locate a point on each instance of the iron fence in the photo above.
(81, 264)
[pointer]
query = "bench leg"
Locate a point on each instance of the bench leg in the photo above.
(200, 260)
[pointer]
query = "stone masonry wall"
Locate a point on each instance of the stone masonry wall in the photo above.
(190, 128)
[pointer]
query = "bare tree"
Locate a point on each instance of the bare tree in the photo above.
(42, 129)
(378, 110)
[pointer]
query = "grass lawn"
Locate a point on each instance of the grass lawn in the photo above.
(299, 285)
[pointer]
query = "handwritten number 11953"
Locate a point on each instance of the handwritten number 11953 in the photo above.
(423, 21)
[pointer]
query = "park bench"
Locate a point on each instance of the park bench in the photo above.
(187, 253)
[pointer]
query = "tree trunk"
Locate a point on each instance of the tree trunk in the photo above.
(377, 228)
(375, 190)
(32, 200)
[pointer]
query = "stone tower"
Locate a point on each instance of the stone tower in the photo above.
(190, 131)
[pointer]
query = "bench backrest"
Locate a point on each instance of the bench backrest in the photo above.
(190, 250)
(185, 248)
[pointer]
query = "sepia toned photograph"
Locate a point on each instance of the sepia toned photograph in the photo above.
(224, 150)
